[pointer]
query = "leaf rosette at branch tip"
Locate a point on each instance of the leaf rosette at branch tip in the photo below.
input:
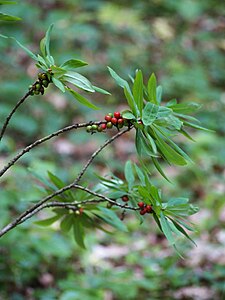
(64, 74)
(157, 124)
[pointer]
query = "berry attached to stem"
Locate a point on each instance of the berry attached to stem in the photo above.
(125, 198)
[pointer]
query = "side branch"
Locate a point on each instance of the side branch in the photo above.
(109, 141)
(39, 206)
(75, 205)
(41, 141)
(12, 112)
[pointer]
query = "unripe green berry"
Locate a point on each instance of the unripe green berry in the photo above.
(94, 127)
(40, 75)
(100, 128)
(45, 83)
(89, 128)
(109, 125)
(37, 86)
(44, 76)
(36, 92)
(110, 114)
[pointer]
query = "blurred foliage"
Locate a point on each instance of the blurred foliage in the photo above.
(183, 43)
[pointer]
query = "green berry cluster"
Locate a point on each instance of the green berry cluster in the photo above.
(111, 119)
(39, 86)
(145, 208)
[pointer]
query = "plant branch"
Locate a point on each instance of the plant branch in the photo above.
(34, 209)
(12, 112)
(75, 205)
(109, 141)
(41, 141)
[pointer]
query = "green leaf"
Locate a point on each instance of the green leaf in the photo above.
(78, 80)
(164, 112)
(49, 221)
(150, 113)
(58, 84)
(128, 115)
(182, 231)
(159, 93)
(131, 102)
(169, 153)
(30, 53)
(67, 222)
(120, 81)
(82, 99)
(152, 142)
(140, 174)
(78, 232)
(5, 17)
(197, 126)
(128, 172)
(57, 71)
(100, 90)
(166, 228)
(42, 61)
(177, 201)
(186, 134)
(42, 47)
(185, 108)
(152, 84)
(47, 40)
(110, 217)
(73, 64)
(158, 167)
(138, 91)
(138, 142)
(7, 2)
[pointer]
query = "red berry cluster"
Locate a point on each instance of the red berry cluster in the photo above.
(145, 208)
(112, 119)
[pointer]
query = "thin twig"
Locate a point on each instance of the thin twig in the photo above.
(12, 112)
(109, 141)
(41, 141)
(35, 207)
(75, 205)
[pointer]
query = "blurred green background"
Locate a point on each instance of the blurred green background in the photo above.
(183, 43)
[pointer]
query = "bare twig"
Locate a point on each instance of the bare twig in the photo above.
(35, 208)
(12, 112)
(41, 141)
(109, 141)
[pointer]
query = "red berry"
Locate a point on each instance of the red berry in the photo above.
(143, 211)
(141, 204)
(114, 121)
(117, 114)
(125, 198)
(120, 121)
(103, 126)
(108, 118)
(148, 208)
(81, 210)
